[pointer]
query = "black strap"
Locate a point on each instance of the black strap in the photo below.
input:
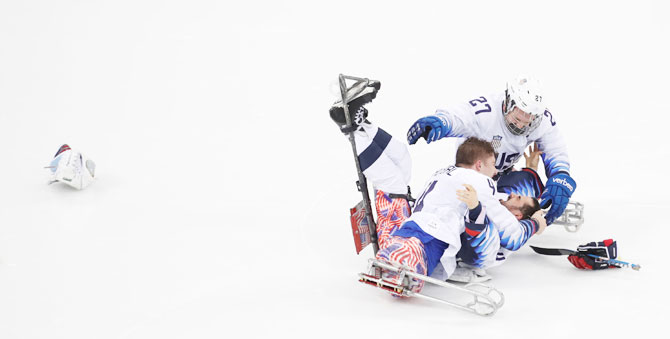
(407, 196)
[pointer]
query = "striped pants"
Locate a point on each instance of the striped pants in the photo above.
(408, 252)
(385, 161)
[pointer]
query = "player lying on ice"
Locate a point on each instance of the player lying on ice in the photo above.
(484, 245)
(511, 121)
(431, 236)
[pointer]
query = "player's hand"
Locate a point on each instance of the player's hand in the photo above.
(533, 156)
(431, 128)
(538, 216)
(559, 189)
(468, 196)
(606, 249)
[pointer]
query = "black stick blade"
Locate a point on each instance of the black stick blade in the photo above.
(552, 251)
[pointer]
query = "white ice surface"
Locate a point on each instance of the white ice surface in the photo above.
(221, 208)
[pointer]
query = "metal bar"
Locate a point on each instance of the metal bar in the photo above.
(481, 300)
(362, 182)
(493, 308)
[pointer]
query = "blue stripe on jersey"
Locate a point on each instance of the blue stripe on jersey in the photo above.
(375, 150)
(524, 188)
(474, 250)
(434, 247)
(513, 244)
(553, 166)
(444, 119)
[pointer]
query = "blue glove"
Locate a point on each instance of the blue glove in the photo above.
(431, 128)
(559, 189)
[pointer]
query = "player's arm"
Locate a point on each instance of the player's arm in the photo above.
(513, 233)
(456, 121)
(554, 151)
(475, 219)
(560, 185)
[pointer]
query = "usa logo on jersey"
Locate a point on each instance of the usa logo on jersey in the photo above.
(497, 140)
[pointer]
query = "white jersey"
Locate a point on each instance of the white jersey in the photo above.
(439, 213)
(483, 118)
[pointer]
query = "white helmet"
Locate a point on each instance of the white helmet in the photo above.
(525, 93)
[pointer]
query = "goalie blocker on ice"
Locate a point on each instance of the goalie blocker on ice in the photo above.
(585, 259)
(596, 255)
(72, 168)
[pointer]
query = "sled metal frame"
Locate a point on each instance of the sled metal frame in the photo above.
(572, 218)
(486, 300)
(362, 185)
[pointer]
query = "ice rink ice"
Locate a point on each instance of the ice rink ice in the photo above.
(221, 204)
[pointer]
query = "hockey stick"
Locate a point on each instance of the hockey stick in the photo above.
(361, 184)
(562, 251)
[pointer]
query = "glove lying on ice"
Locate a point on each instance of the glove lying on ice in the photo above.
(72, 168)
(605, 249)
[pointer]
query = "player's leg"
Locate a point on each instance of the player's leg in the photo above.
(383, 150)
(407, 252)
(383, 159)
(391, 213)
(388, 176)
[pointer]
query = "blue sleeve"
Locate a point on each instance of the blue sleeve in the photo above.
(514, 241)
(553, 147)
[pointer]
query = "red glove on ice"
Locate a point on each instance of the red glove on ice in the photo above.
(605, 249)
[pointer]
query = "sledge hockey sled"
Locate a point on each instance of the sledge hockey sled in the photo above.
(572, 218)
(485, 300)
